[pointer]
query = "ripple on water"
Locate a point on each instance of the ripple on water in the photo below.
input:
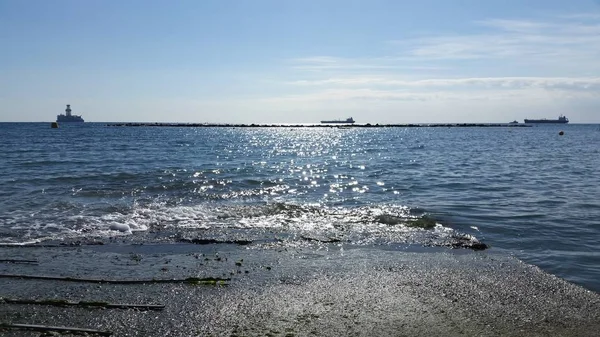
(526, 190)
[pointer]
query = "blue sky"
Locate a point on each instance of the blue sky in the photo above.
(268, 61)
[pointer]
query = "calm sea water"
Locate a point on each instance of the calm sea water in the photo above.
(523, 191)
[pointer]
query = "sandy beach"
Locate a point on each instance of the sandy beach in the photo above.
(314, 290)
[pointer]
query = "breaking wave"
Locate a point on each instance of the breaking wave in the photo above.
(258, 222)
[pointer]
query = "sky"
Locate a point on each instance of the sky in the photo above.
(288, 61)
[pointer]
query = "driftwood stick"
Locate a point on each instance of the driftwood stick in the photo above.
(18, 261)
(190, 280)
(45, 328)
(60, 303)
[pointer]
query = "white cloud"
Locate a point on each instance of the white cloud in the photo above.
(522, 41)
(560, 48)
(504, 67)
(557, 47)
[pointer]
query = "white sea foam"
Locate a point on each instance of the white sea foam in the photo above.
(363, 225)
(120, 227)
(24, 243)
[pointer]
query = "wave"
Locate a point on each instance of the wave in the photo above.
(258, 221)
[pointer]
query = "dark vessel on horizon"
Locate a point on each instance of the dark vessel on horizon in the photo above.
(68, 117)
(339, 121)
(561, 120)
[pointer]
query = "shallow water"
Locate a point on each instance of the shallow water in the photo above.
(525, 191)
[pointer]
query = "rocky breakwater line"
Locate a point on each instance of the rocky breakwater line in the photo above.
(338, 126)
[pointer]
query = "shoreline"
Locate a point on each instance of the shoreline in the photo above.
(321, 290)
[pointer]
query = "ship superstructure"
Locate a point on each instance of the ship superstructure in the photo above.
(339, 121)
(67, 117)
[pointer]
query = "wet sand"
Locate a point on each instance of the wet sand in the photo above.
(318, 290)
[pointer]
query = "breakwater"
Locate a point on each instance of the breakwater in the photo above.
(343, 126)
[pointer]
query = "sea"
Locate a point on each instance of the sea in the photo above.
(523, 191)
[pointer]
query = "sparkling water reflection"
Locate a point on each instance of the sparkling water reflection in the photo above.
(527, 191)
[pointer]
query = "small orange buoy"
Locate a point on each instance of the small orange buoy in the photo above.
(561, 133)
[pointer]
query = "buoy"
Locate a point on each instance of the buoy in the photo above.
(561, 133)
(54, 125)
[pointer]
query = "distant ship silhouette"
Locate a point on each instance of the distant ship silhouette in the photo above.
(339, 121)
(68, 117)
(561, 120)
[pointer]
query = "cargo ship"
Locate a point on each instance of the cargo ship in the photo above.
(68, 117)
(561, 120)
(339, 121)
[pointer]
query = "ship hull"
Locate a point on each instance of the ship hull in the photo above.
(63, 119)
(545, 121)
(337, 122)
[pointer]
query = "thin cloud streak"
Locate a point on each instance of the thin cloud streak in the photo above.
(571, 42)
(403, 95)
(581, 16)
(523, 40)
(330, 63)
(592, 83)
